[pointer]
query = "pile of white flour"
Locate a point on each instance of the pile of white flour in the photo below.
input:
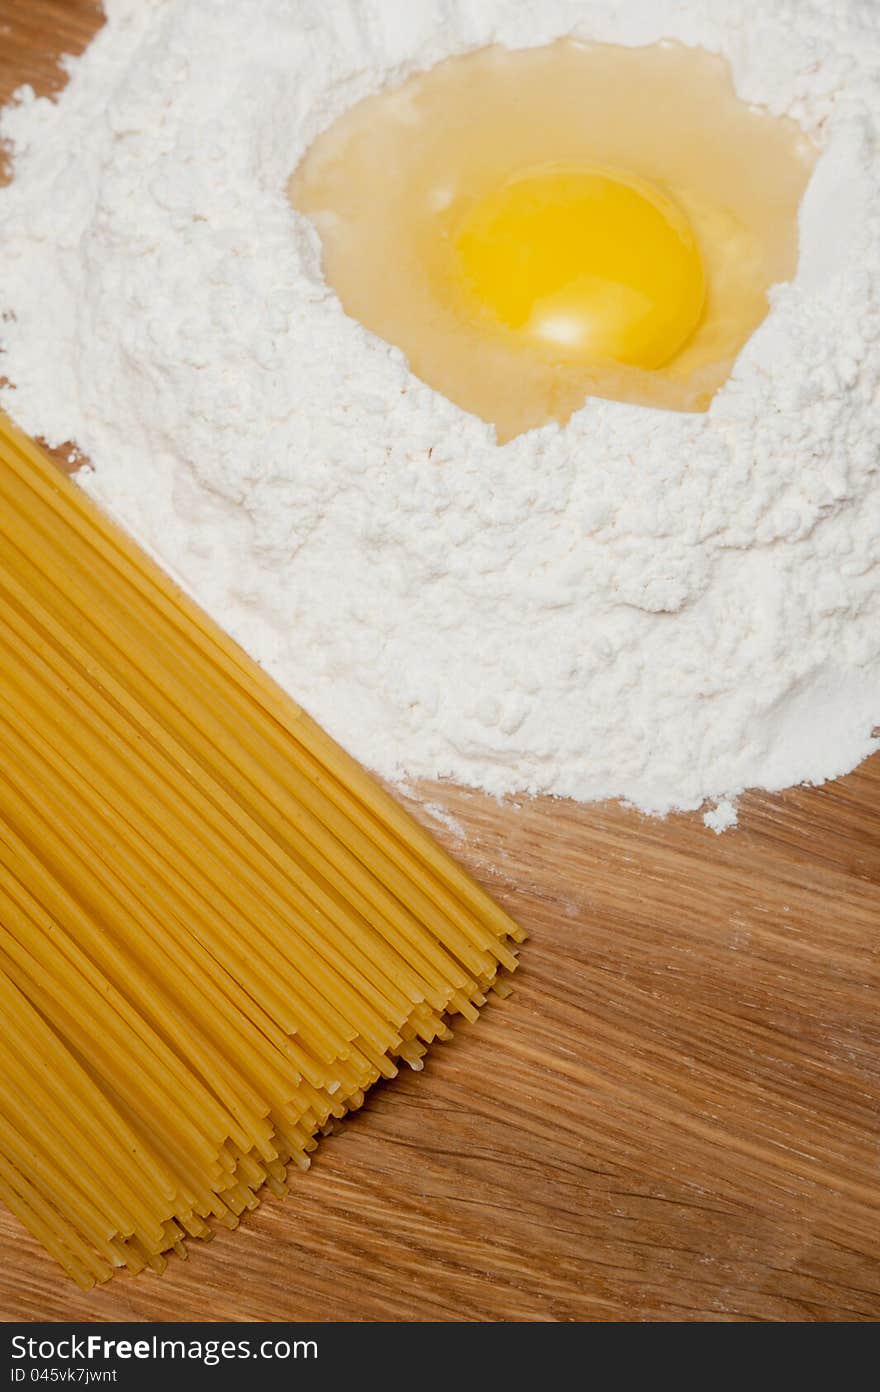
(644, 605)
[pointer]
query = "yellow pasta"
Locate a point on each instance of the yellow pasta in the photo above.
(216, 930)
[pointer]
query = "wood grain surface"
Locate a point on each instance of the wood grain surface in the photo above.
(674, 1117)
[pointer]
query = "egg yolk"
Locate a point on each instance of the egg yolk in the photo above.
(588, 264)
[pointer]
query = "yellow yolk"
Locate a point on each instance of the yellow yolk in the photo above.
(589, 264)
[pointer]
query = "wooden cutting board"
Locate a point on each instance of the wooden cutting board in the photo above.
(674, 1117)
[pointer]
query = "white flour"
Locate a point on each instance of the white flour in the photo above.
(651, 606)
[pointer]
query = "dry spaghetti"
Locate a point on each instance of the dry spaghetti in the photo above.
(216, 931)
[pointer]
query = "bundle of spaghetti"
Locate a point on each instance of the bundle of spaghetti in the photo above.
(216, 930)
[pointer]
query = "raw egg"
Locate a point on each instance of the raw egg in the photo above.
(541, 226)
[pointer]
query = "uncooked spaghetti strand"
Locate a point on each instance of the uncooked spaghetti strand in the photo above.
(32, 1040)
(47, 757)
(19, 965)
(17, 1004)
(32, 875)
(375, 1056)
(355, 1018)
(180, 853)
(141, 654)
(105, 1065)
(180, 612)
(94, 882)
(40, 1115)
(171, 801)
(28, 603)
(108, 1056)
(59, 1238)
(447, 961)
(48, 1174)
(52, 894)
(42, 1118)
(38, 1157)
(45, 919)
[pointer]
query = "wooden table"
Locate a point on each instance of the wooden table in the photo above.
(674, 1117)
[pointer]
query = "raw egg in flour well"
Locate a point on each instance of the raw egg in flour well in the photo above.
(536, 227)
